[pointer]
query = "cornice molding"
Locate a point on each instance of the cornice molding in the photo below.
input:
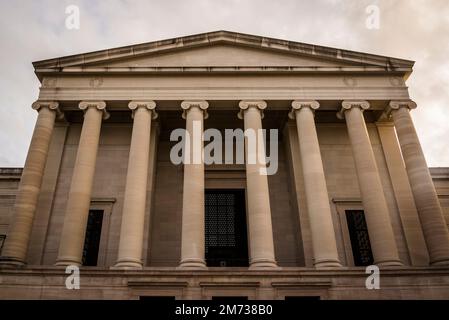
(226, 37)
(227, 92)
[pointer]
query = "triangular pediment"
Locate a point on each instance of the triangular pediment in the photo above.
(222, 55)
(223, 49)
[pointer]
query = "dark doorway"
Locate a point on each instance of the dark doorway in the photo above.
(226, 241)
(358, 233)
(92, 239)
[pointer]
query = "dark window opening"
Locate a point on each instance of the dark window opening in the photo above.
(358, 232)
(92, 239)
(225, 224)
(2, 241)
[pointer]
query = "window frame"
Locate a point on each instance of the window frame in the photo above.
(341, 205)
(107, 205)
(243, 244)
(362, 212)
(2, 242)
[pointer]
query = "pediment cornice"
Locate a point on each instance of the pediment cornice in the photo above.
(351, 60)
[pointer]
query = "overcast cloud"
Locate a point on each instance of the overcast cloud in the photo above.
(35, 30)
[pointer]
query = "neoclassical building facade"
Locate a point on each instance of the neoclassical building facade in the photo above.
(100, 191)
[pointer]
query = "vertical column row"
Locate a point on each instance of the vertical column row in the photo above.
(259, 213)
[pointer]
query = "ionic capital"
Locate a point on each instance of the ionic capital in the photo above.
(348, 104)
(189, 104)
(298, 104)
(247, 104)
(100, 105)
(51, 105)
(397, 104)
(149, 105)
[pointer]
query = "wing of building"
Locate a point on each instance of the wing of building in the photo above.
(345, 184)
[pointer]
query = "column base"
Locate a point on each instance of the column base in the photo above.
(389, 263)
(328, 264)
(11, 262)
(128, 264)
(67, 261)
(263, 264)
(440, 262)
(192, 264)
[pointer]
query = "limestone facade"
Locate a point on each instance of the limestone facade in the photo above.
(102, 142)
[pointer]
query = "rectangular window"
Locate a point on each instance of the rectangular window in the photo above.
(358, 233)
(92, 239)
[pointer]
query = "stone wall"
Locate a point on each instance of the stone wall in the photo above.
(99, 283)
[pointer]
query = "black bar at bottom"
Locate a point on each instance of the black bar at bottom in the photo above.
(228, 308)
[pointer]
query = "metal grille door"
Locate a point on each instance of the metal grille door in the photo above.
(226, 240)
(358, 232)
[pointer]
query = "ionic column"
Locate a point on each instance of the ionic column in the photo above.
(16, 245)
(380, 230)
(258, 198)
(429, 209)
(323, 233)
(78, 203)
(133, 216)
(193, 236)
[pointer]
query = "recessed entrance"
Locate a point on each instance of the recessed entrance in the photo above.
(225, 223)
(92, 238)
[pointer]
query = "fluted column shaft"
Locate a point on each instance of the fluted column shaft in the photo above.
(319, 211)
(133, 216)
(380, 230)
(258, 198)
(78, 203)
(16, 245)
(429, 209)
(193, 233)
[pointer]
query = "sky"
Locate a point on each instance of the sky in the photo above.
(417, 30)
